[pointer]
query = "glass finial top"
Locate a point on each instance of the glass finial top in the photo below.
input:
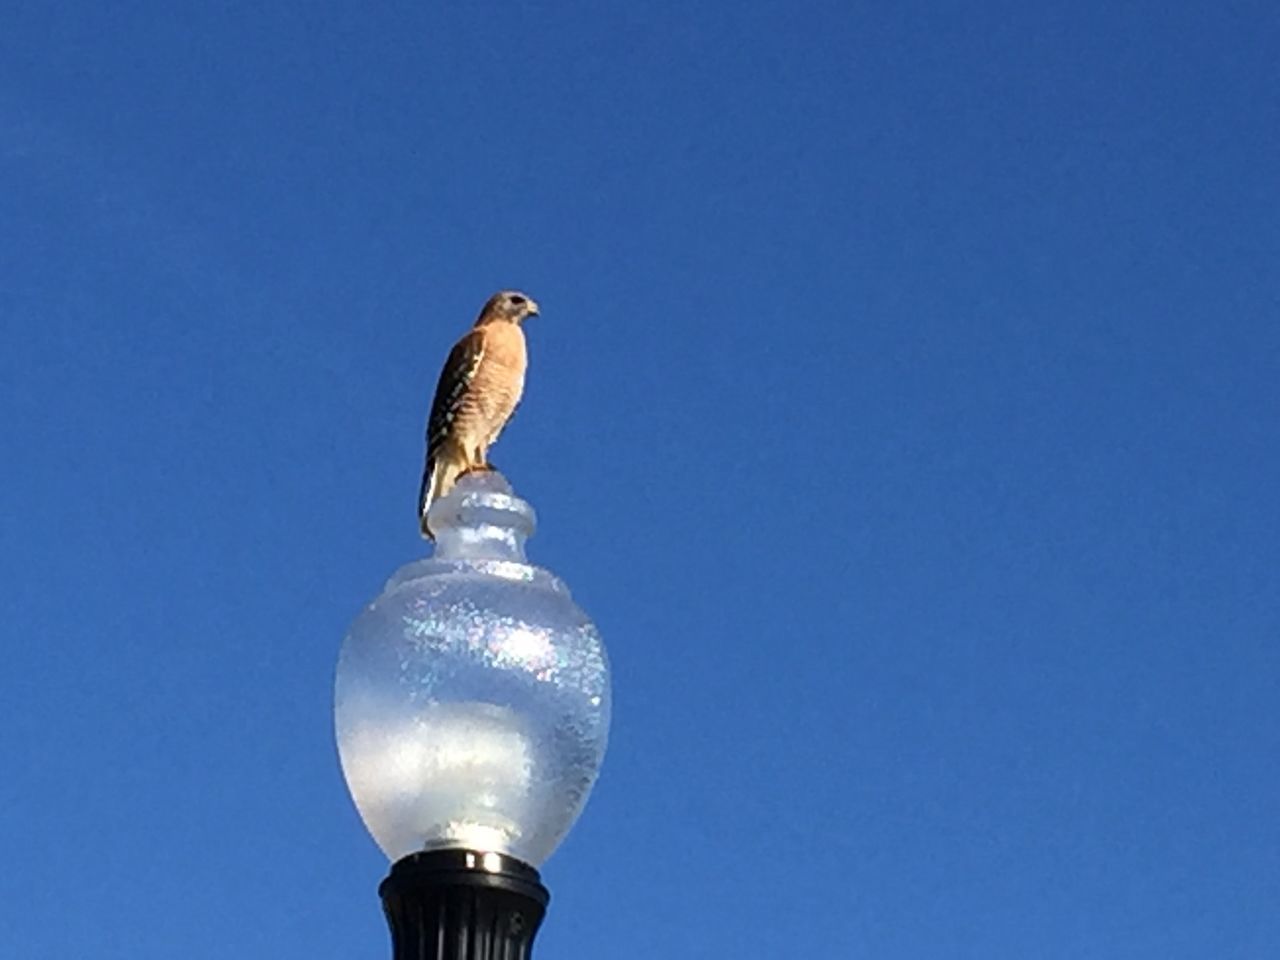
(481, 518)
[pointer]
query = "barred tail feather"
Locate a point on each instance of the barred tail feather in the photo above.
(437, 480)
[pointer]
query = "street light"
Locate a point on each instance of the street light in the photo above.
(472, 713)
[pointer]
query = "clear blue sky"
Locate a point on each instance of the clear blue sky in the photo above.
(904, 408)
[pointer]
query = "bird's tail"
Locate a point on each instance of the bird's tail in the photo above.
(437, 480)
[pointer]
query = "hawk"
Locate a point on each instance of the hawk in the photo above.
(479, 389)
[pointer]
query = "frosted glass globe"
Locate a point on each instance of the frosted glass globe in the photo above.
(472, 696)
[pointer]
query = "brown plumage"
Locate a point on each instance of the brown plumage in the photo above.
(479, 389)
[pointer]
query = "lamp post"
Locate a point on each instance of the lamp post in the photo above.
(472, 713)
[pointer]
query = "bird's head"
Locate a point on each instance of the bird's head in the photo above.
(509, 306)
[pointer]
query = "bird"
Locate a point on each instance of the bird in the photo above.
(479, 389)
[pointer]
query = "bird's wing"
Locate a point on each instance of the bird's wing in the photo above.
(458, 373)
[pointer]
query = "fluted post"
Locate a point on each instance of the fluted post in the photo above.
(463, 905)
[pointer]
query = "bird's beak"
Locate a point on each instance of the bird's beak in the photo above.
(532, 307)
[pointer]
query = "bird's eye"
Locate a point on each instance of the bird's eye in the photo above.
(517, 300)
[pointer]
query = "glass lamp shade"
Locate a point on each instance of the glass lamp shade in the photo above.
(472, 696)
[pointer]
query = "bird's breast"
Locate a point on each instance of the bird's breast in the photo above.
(505, 347)
(500, 380)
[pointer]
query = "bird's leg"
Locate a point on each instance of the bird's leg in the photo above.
(478, 464)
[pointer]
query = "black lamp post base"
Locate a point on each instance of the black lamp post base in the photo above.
(462, 905)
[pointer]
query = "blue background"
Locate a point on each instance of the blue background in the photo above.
(903, 408)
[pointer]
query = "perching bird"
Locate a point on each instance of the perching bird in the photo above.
(479, 389)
